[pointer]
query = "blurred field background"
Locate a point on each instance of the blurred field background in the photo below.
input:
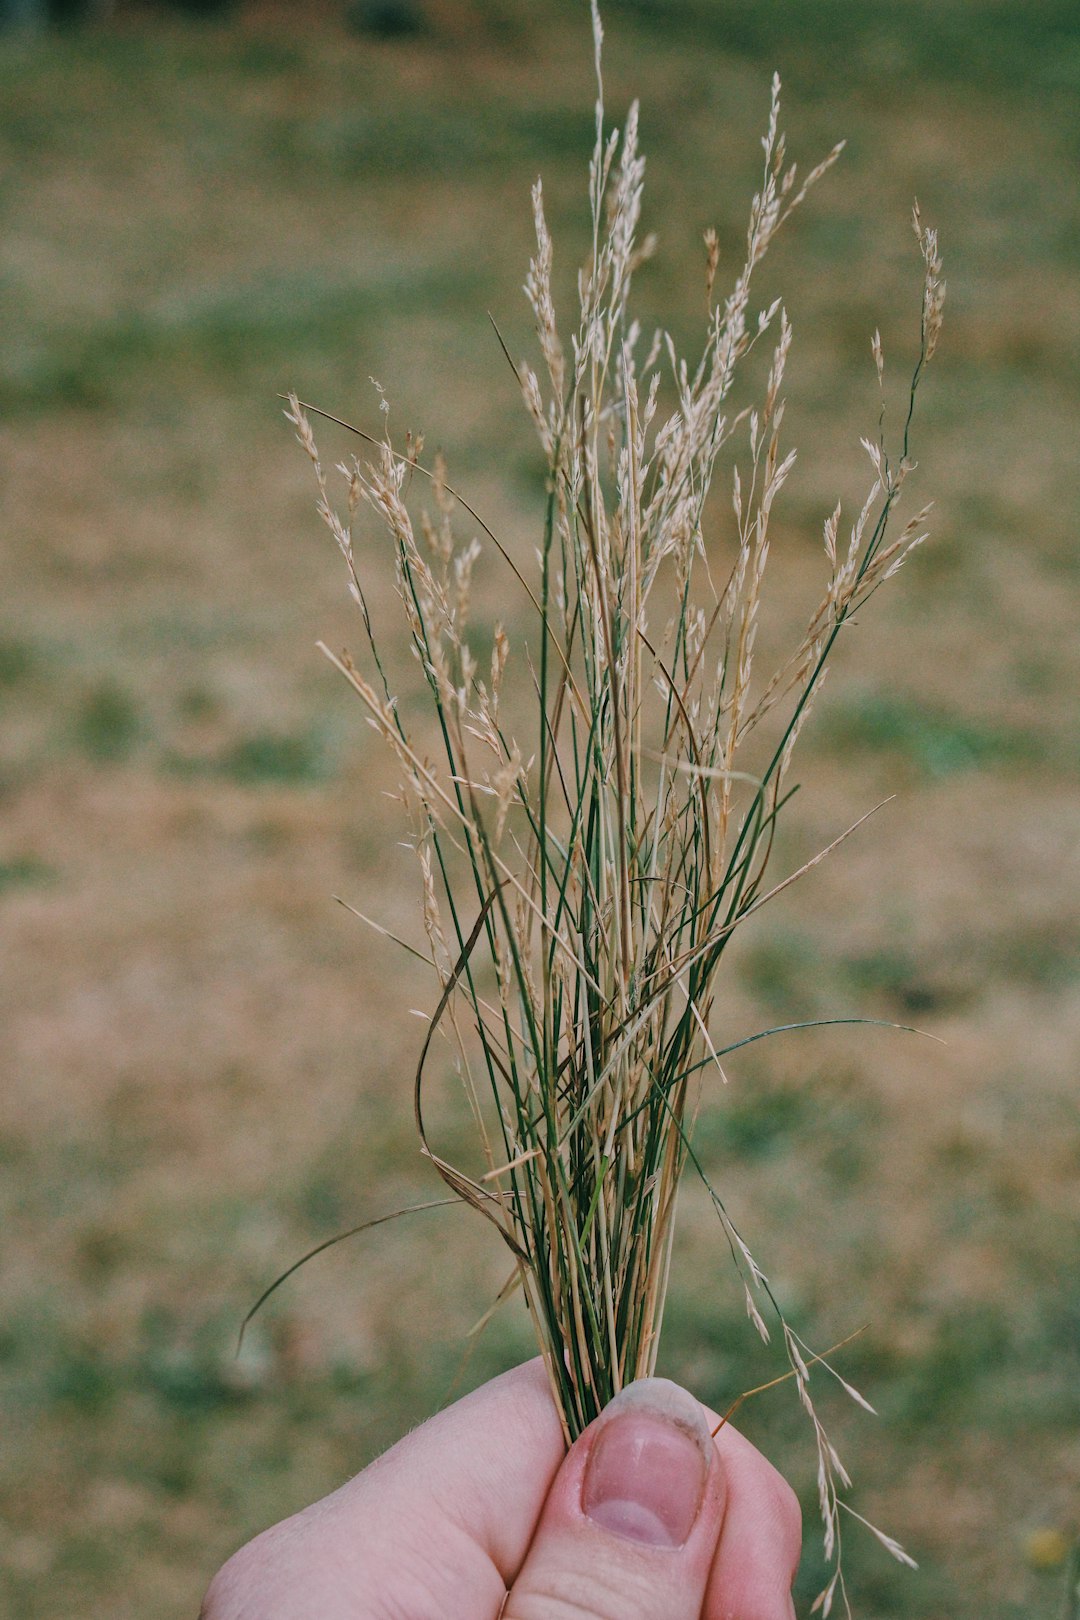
(207, 1063)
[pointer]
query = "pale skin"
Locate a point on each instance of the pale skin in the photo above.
(482, 1514)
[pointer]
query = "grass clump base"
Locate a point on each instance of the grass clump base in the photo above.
(584, 872)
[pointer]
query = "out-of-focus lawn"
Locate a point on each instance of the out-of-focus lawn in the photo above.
(207, 1062)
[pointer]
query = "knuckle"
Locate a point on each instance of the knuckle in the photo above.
(565, 1594)
(224, 1598)
(238, 1589)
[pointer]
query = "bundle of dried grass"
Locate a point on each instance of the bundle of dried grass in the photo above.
(581, 884)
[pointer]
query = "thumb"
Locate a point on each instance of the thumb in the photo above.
(632, 1520)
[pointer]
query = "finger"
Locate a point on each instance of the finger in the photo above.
(631, 1522)
(436, 1528)
(758, 1554)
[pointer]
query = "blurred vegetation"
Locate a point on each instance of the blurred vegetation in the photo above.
(207, 1062)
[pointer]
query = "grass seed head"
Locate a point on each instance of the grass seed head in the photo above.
(581, 885)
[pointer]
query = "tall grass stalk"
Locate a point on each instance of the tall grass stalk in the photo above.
(583, 880)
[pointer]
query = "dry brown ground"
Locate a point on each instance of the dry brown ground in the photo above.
(206, 1061)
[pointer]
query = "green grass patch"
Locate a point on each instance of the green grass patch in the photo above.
(944, 1387)
(18, 660)
(107, 725)
(393, 142)
(80, 1377)
(784, 972)
(270, 328)
(933, 740)
(750, 1121)
(25, 872)
(892, 45)
(268, 758)
(1047, 957)
(895, 972)
(264, 758)
(828, 1119)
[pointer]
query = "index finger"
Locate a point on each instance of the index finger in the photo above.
(757, 1557)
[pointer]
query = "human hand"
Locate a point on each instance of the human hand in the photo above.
(481, 1514)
